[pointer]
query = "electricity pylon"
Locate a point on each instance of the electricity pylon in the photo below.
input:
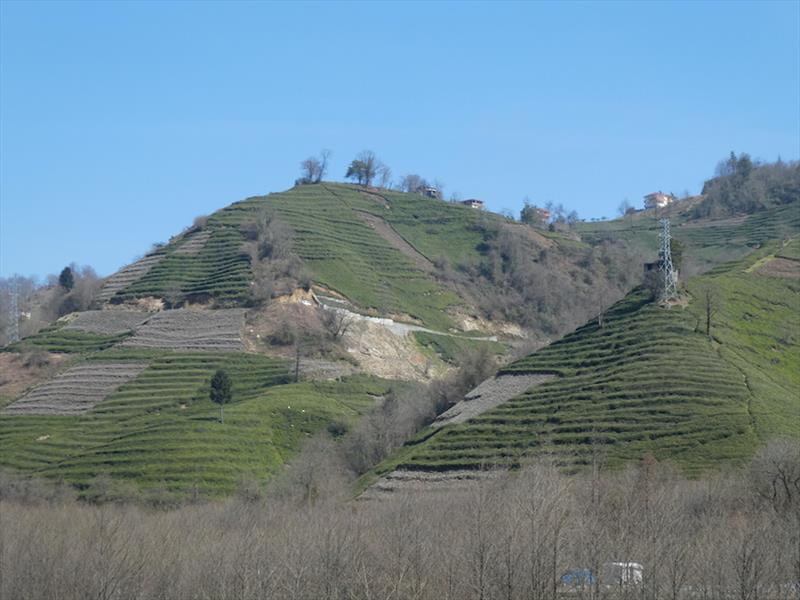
(669, 287)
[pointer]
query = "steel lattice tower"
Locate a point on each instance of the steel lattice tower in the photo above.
(669, 288)
(13, 315)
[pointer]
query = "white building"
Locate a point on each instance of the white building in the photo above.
(658, 200)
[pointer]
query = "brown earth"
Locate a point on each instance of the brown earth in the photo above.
(18, 372)
(193, 243)
(189, 329)
(77, 389)
(780, 267)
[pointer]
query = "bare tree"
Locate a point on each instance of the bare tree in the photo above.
(336, 322)
(384, 176)
(313, 169)
(413, 183)
(710, 305)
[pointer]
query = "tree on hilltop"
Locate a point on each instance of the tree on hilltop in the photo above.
(313, 169)
(221, 392)
(364, 168)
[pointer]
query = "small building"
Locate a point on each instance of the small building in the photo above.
(543, 214)
(431, 192)
(658, 200)
(473, 203)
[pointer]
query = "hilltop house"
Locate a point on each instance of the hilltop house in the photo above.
(658, 200)
(473, 203)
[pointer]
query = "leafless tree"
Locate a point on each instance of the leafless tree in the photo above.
(413, 183)
(384, 176)
(711, 304)
(313, 169)
(336, 322)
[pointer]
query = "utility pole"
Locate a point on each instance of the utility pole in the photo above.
(669, 288)
(13, 313)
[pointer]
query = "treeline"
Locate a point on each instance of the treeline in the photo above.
(547, 291)
(742, 186)
(41, 303)
(733, 535)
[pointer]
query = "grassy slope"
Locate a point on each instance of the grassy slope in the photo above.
(648, 381)
(161, 430)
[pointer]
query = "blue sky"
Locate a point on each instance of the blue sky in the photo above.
(121, 122)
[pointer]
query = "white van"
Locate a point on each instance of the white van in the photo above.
(621, 573)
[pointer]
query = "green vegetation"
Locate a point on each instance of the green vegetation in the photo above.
(648, 381)
(57, 339)
(220, 270)
(452, 349)
(161, 430)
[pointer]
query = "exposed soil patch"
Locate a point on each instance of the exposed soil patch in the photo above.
(401, 482)
(194, 243)
(487, 395)
(108, 322)
(387, 232)
(189, 329)
(127, 275)
(382, 352)
(780, 267)
(77, 389)
(326, 370)
(18, 372)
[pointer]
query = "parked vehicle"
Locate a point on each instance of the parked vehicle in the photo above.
(621, 573)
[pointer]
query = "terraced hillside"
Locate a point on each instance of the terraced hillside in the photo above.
(648, 381)
(160, 430)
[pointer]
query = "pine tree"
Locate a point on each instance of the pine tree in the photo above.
(66, 280)
(221, 392)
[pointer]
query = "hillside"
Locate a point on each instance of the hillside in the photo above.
(648, 381)
(358, 288)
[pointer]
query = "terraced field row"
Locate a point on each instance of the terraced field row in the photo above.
(184, 329)
(180, 329)
(62, 339)
(218, 269)
(128, 275)
(76, 390)
(107, 322)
